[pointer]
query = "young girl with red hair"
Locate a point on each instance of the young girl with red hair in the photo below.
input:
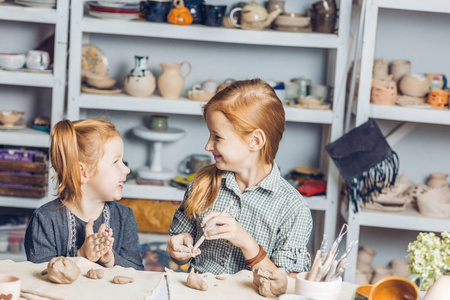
(270, 223)
(86, 220)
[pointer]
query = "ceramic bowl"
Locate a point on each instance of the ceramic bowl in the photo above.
(394, 287)
(414, 85)
(12, 61)
(292, 20)
(362, 292)
(10, 117)
(99, 81)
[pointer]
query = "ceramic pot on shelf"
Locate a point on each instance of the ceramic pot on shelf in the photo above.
(437, 180)
(140, 82)
(171, 81)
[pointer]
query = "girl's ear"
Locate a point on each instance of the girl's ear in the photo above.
(83, 173)
(257, 140)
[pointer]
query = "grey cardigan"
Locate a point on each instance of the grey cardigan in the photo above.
(48, 233)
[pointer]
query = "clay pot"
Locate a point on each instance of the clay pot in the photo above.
(438, 98)
(362, 277)
(435, 203)
(439, 289)
(140, 82)
(400, 268)
(414, 85)
(384, 92)
(399, 68)
(437, 180)
(171, 81)
(365, 257)
(380, 69)
(380, 273)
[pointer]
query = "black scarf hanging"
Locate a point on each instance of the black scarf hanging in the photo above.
(366, 162)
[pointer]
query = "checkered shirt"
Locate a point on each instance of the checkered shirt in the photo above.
(273, 212)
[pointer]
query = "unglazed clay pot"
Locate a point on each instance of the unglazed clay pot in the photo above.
(435, 203)
(365, 257)
(414, 85)
(440, 289)
(400, 268)
(380, 273)
(399, 68)
(140, 82)
(171, 81)
(437, 180)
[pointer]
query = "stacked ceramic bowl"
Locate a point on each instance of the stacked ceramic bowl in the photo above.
(292, 22)
(117, 10)
(37, 3)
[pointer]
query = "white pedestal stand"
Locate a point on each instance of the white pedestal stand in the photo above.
(156, 170)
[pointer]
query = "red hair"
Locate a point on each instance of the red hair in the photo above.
(75, 142)
(248, 105)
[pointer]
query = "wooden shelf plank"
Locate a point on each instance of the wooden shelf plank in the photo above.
(399, 113)
(22, 202)
(26, 137)
(184, 106)
(26, 79)
(209, 34)
(133, 190)
(13, 12)
(409, 219)
(436, 6)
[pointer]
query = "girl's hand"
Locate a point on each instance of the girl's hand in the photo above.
(216, 226)
(108, 259)
(95, 244)
(180, 248)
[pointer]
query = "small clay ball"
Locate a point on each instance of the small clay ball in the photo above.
(62, 270)
(122, 279)
(95, 274)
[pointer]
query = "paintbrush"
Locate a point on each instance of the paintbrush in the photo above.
(202, 238)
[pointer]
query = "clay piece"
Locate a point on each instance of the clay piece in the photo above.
(218, 277)
(270, 283)
(194, 281)
(62, 270)
(95, 273)
(122, 279)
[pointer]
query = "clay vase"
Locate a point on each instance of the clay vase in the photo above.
(400, 268)
(400, 67)
(140, 82)
(439, 289)
(380, 69)
(437, 180)
(365, 257)
(171, 81)
(381, 272)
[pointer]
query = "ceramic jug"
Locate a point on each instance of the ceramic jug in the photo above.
(171, 81)
(140, 82)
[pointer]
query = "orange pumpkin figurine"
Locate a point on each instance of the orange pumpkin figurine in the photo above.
(179, 15)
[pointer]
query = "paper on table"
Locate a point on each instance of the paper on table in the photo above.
(84, 288)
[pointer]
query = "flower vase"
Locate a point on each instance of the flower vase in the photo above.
(439, 289)
(140, 82)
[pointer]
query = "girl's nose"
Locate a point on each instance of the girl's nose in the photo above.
(126, 170)
(208, 146)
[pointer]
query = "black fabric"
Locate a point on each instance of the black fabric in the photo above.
(365, 160)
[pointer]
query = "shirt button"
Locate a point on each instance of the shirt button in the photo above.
(222, 263)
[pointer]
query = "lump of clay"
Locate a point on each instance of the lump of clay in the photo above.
(269, 283)
(62, 270)
(194, 281)
(218, 277)
(122, 279)
(95, 274)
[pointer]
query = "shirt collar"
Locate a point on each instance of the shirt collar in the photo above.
(270, 183)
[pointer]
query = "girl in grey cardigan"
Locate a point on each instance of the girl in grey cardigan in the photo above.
(85, 220)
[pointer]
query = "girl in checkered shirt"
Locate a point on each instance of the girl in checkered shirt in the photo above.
(270, 223)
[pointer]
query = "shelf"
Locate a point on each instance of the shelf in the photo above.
(133, 190)
(13, 12)
(26, 137)
(436, 6)
(266, 37)
(157, 104)
(17, 257)
(400, 113)
(409, 219)
(21, 202)
(26, 78)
